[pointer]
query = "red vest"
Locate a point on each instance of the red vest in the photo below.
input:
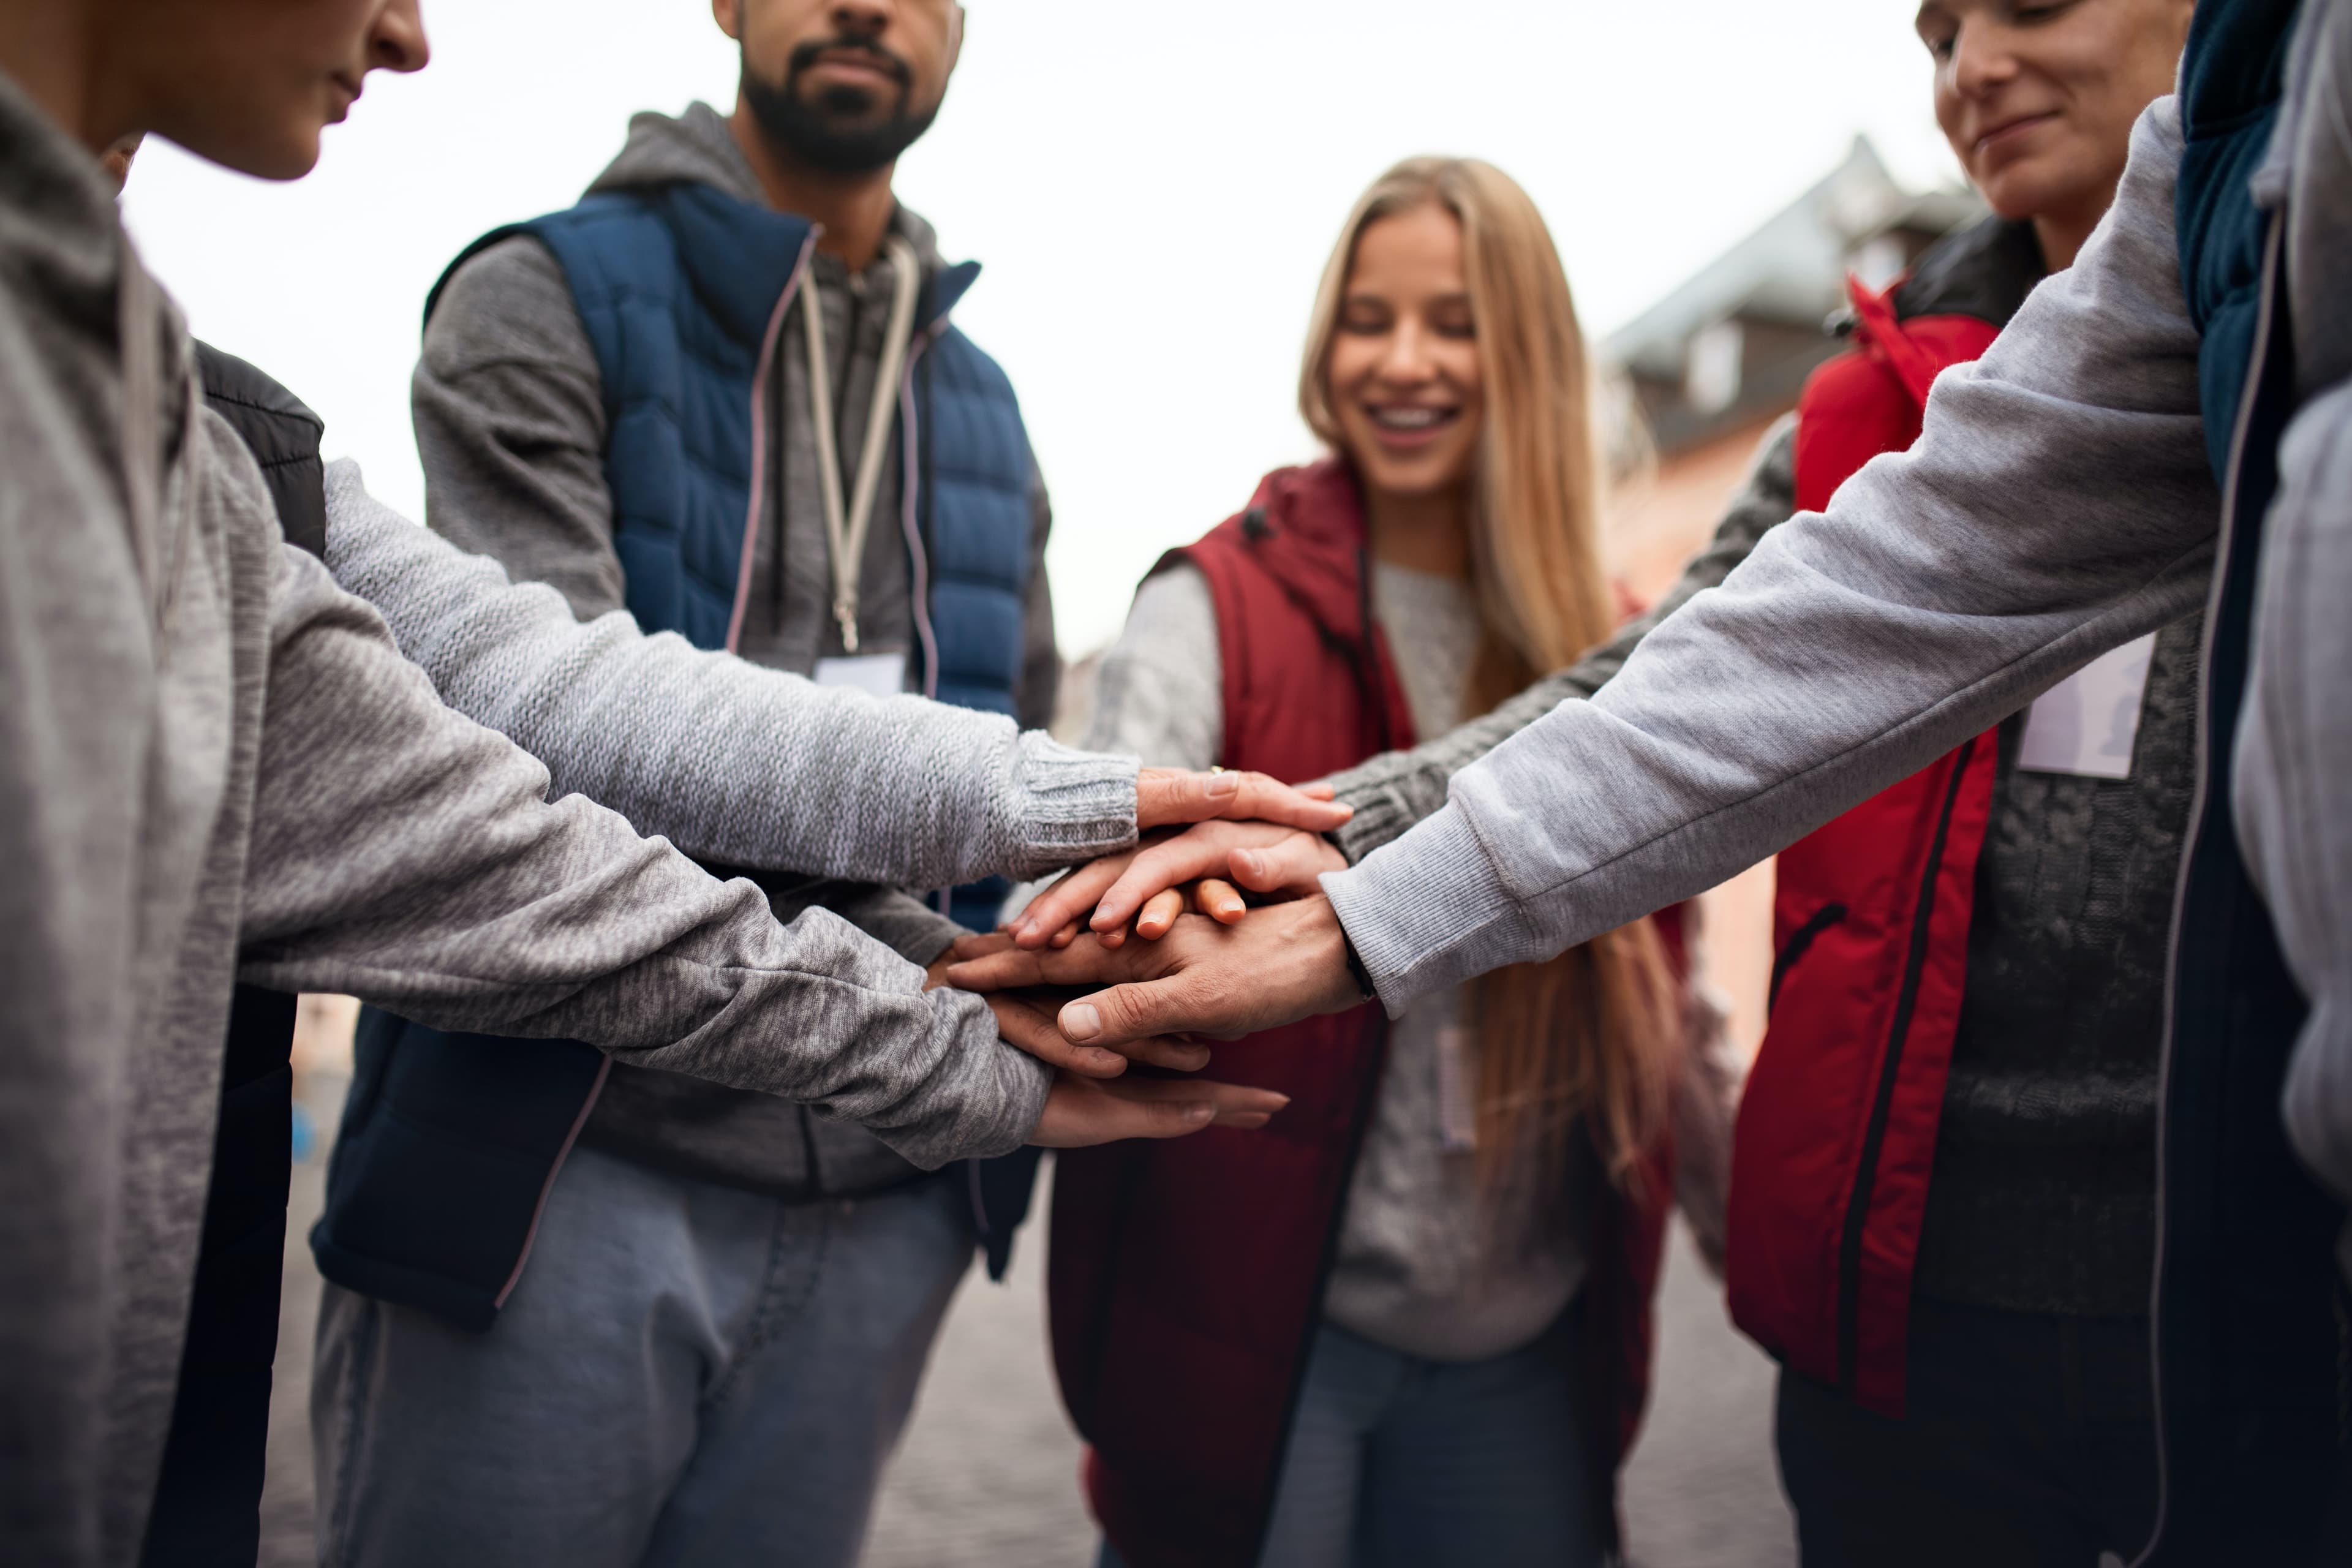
(1187, 1277)
(1837, 1130)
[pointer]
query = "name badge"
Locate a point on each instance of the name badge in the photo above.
(1457, 1089)
(877, 674)
(2086, 724)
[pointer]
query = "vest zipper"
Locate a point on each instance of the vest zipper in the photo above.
(547, 1187)
(912, 433)
(760, 373)
(913, 437)
(2257, 368)
(1865, 1178)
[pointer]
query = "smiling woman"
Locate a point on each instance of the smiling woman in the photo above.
(2038, 101)
(1486, 1160)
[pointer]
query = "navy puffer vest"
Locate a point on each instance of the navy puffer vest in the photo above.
(2248, 1352)
(451, 1141)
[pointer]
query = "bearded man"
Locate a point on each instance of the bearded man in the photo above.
(625, 1318)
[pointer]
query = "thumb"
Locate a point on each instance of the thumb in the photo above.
(1175, 1006)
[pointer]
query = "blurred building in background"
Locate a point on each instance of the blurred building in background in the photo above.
(1710, 365)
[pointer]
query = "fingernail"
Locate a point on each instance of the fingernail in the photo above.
(1081, 1021)
(1101, 1058)
(1246, 860)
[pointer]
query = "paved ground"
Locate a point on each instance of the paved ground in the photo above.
(988, 1476)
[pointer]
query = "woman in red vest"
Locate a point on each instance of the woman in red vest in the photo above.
(1409, 1322)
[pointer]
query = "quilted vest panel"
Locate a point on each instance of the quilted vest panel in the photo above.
(1837, 1129)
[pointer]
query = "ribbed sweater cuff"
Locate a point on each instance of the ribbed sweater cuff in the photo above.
(1064, 806)
(1380, 817)
(1423, 910)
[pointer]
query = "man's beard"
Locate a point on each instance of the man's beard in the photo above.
(831, 131)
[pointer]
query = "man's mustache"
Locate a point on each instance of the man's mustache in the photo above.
(807, 55)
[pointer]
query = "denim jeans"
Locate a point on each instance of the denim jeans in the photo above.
(685, 1374)
(1397, 1462)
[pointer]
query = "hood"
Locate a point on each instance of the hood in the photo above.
(1984, 270)
(62, 247)
(1305, 527)
(695, 148)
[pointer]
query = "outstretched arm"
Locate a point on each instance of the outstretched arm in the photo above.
(2059, 502)
(408, 855)
(1395, 790)
(751, 766)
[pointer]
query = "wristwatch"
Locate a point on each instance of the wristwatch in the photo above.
(1355, 965)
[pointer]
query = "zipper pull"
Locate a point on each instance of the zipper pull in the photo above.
(845, 614)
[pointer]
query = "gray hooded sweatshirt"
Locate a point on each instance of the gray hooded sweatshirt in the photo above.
(511, 426)
(215, 764)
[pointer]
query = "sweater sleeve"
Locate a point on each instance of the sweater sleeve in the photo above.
(1393, 791)
(407, 856)
(1159, 693)
(2058, 503)
(732, 763)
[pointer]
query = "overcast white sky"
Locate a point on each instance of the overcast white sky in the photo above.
(1151, 187)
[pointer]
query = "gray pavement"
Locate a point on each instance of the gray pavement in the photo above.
(988, 1475)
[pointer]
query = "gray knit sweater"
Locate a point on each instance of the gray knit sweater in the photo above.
(728, 761)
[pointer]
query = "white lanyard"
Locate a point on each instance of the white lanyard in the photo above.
(846, 526)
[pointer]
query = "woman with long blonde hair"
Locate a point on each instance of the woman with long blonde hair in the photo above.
(1408, 1323)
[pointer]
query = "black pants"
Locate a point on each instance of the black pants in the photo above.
(2027, 1440)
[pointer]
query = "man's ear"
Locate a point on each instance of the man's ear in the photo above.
(955, 37)
(728, 15)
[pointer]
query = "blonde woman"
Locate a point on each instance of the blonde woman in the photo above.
(1409, 1323)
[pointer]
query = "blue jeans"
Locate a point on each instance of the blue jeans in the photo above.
(684, 1374)
(1396, 1462)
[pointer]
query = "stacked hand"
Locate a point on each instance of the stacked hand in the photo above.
(1205, 870)
(1091, 1102)
(1199, 970)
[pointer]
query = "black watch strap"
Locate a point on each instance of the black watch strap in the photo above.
(1355, 965)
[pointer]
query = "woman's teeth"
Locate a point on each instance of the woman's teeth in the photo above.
(1410, 418)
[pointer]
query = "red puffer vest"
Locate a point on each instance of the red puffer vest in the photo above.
(1186, 1277)
(1837, 1130)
